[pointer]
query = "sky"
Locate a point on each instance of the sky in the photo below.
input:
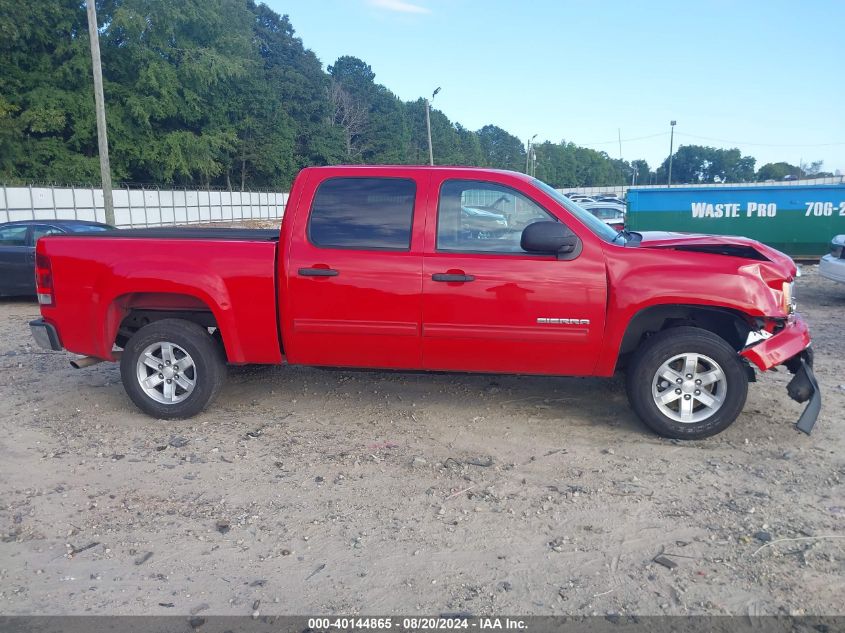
(767, 77)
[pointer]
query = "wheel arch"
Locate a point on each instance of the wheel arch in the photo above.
(731, 325)
(130, 312)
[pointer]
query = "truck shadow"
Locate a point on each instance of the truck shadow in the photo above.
(599, 402)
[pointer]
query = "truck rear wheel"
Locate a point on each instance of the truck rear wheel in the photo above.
(172, 369)
(687, 383)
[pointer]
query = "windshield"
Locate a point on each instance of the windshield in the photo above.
(595, 225)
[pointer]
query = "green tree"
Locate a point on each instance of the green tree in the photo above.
(355, 75)
(295, 93)
(386, 133)
(700, 164)
(47, 129)
(173, 73)
(452, 143)
(556, 164)
(469, 147)
(349, 116)
(501, 149)
(416, 149)
(778, 171)
(382, 135)
(642, 171)
(445, 140)
(814, 169)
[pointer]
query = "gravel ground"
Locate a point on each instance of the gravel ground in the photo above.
(316, 491)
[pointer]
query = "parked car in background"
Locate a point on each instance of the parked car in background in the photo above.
(17, 250)
(580, 197)
(611, 198)
(608, 212)
(832, 265)
(483, 221)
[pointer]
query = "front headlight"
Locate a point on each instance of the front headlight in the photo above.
(788, 297)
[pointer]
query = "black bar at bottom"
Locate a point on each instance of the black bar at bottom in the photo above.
(611, 623)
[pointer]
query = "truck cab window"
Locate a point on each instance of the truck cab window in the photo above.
(363, 213)
(484, 217)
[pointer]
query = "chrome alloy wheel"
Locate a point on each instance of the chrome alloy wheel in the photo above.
(689, 388)
(166, 372)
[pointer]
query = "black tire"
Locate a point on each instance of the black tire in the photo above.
(209, 367)
(665, 345)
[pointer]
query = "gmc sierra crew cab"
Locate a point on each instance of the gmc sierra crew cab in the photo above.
(431, 268)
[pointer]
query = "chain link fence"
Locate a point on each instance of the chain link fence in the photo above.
(140, 207)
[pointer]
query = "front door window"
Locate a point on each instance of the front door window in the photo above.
(482, 217)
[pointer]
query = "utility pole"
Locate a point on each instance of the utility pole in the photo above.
(528, 156)
(671, 142)
(100, 105)
(428, 126)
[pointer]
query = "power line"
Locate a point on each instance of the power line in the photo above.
(624, 140)
(721, 140)
(710, 138)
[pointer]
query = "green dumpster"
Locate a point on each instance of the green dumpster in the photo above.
(799, 220)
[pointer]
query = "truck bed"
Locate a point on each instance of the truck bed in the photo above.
(101, 277)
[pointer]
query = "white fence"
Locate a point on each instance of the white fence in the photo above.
(140, 207)
(172, 207)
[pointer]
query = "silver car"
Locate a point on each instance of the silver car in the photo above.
(832, 265)
(608, 212)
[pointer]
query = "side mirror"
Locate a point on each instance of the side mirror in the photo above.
(550, 238)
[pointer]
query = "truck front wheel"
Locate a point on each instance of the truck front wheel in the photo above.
(687, 383)
(172, 369)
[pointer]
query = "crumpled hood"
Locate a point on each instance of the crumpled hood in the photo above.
(778, 263)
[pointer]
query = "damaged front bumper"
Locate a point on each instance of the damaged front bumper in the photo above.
(803, 387)
(791, 347)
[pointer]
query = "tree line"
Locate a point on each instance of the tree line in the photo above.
(222, 93)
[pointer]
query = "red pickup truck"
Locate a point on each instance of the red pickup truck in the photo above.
(445, 269)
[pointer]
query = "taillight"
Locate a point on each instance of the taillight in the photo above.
(43, 279)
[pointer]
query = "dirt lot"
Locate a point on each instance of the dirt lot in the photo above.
(316, 491)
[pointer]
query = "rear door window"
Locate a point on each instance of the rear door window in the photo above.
(363, 213)
(13, 235)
